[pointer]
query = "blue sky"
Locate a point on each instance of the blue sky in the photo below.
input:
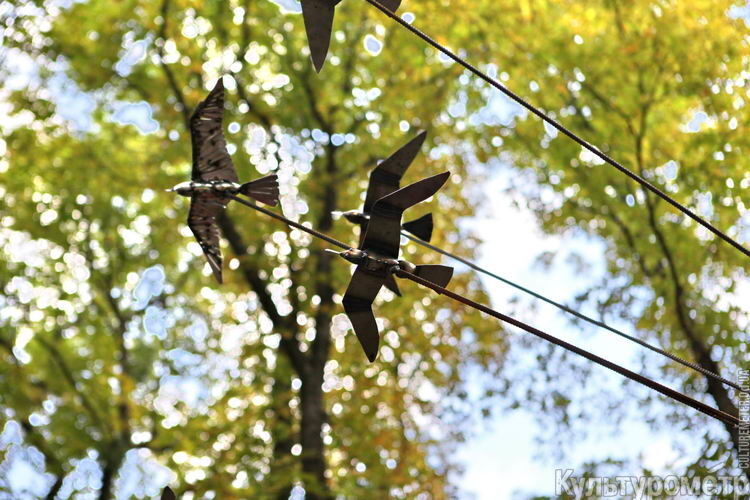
(503, 457)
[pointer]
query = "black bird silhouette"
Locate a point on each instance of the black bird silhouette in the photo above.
(214, 178)
(377, 257)
(318, 17)
(384, 180)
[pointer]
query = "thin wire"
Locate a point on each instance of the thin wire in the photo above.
(643, 182)
(671, 393)
(290, 222)
(563, 307)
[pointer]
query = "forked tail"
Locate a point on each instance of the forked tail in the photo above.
(440, 275)
(421, 228)
(265, 189)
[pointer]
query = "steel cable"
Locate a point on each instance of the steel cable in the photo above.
(671, 393)
(541, 114)
(652, 384)
(563, 307)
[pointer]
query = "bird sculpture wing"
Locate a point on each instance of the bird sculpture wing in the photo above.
(168, 494)
(361, 293)
(391, 5)
(386, 177)
(383, 236)
(318, 17)
(211, 160)
(204, 208)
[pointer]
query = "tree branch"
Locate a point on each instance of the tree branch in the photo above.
(285, 324)
(68, 376)
(165, 67)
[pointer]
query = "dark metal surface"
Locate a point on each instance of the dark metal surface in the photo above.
(211, 160)
(381, 6)
(440, 275)
(168, 494)
(215, 178)
(386, 177)
(421, 227)
(358, 299)
(671, 393)
(371, 274)
(265, 189)
(204, 209)
(318, 17)
(380, 248)
(383, 235)
(391, 5)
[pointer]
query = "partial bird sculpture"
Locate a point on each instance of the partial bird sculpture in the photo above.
(377, 259)
(384, 180)
(214, 178)
(318, 17)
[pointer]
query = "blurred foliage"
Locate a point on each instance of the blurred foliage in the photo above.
(86, 369)
(219, 394)
(661, 86)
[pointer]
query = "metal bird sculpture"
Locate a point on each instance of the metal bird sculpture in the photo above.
(318, 17)
(214, 178)
(377, 258)
(384, 180)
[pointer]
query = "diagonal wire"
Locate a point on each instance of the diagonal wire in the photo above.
(671, 393)
(652, 384)
(290, 222)
(563, 307)
(583, 143)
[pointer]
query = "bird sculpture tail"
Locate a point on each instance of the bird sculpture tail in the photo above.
(265, 189)
(421, 228)
(390, 284)
(440, 275)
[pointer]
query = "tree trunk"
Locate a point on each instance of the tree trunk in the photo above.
(311, 393)
(52, 493)
(701, 352)
(109, 470)
(281, 478)
(311, 438)
(702, 355)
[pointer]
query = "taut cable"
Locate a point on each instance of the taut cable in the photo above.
(671, 393)
(563, 307)
(541, 114)
(290, 222)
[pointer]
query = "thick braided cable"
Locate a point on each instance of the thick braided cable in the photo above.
(541, 114)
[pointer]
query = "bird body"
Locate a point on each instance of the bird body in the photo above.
(190, 188)
(377, 258)
(214, 178)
